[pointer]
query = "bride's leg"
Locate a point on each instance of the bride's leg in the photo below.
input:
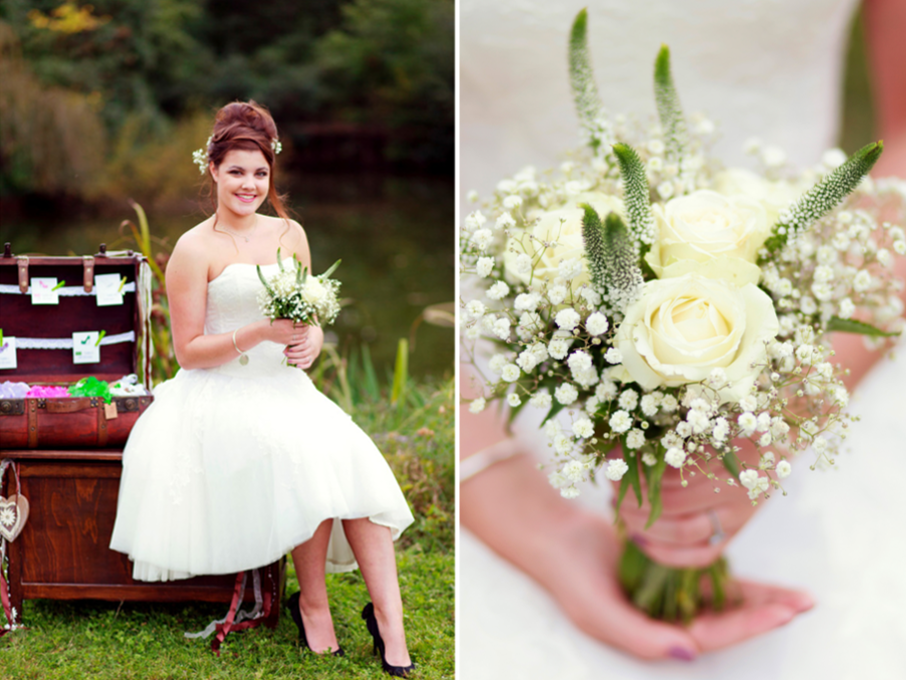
(373, 548)
(309, 559)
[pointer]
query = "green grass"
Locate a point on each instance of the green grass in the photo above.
(100, 640)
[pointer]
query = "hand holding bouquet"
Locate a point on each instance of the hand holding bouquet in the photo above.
(296, 295)
(671, 308)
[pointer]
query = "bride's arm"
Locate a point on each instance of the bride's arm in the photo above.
(187, 290)
(304, 352)
(885, 23)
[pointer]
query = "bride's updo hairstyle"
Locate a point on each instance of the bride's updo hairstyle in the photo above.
(250, 127)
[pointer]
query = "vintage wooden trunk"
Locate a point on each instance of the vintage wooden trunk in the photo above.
(68, 451)
(44, 341)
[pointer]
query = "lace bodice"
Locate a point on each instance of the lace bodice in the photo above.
(232, 303)
(765, 68)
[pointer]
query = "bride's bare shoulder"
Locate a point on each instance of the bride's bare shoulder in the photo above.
(195, 245)
(290, 231)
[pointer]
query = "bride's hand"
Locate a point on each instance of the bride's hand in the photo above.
(588, 591)
(574, 555)
(697, 522)
(304, 346)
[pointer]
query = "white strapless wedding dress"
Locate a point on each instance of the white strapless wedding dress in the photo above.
(761, 68)
(232, 467)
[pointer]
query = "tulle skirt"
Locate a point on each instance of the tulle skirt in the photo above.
(229, 470)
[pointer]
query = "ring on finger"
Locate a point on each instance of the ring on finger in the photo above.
(717, 532)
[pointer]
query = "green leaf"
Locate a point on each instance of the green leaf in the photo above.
(823, 197)
(400, 372)
(581, 76)
(668, 107)
(731, 462)
(624, 487)
(636, 194)
(556, 407)
(632, 567)
(331, 269)
(279, 260)
(514, 412)
(654, 474)
(860, 327)
(632, 474)
(263, 280)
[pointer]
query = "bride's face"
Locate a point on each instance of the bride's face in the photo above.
(243, 179)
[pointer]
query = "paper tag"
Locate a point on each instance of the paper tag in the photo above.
(109, 289)
(110, 410)
(43, 293)
(85, 348)
(8, 352)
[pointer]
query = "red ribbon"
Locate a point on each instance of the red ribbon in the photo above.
(223, 629)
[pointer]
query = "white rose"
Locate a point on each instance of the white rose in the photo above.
(774, 196)
(314, 291)
(563, 227)
(705, 226)
(683, 328)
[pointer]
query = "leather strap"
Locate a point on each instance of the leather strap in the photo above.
(22, 262)
(32, 412)
(102, 423)
(88, 272)
(68, 405)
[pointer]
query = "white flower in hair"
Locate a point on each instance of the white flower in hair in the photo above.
(200, 156)
(276, 146)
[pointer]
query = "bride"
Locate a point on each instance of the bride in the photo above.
(537, 587)
(240, 459)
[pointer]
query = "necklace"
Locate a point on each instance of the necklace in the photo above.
(243, 236)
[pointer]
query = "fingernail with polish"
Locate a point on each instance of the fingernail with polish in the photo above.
(639, 540)
(681, 653)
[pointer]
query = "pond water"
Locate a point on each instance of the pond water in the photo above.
(395, 235)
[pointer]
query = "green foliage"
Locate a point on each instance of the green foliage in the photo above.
(612, 257)
(134, 59)
(668, 593)
(636, 194)
(824, 196)
(668, 107)
(581, 76)
(400, 372)
(123, 83)
(132, 641)
(51, 140)
(155, 168)
(836, 324)
(157, 253)
(654, 474)
(392, 62)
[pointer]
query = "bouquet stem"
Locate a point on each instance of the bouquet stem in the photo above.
(671, 593)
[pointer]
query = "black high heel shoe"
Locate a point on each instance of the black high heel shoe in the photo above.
(293, 605)
(371, 624)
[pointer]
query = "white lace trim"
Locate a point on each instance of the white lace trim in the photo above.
(65, 291)
(66, 343)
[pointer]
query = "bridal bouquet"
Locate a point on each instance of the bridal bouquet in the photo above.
(671, 307)
(294, 294)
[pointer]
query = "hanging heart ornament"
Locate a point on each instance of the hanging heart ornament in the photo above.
(13, 515)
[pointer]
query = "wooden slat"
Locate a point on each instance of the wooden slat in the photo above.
(105, 455)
